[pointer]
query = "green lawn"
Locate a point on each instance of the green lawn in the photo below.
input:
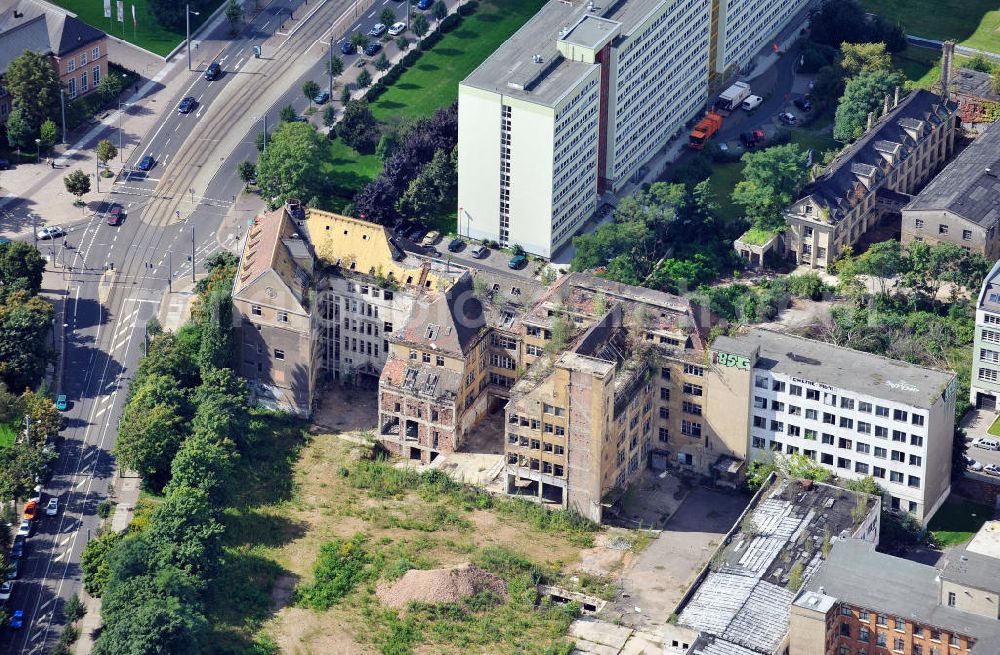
(7, 435)
(147, 34)
(723, 181)
(347, 171)
(973, 23)
(433, 82)
(995, 428)
(957, 522)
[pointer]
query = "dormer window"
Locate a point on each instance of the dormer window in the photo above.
(432, 332)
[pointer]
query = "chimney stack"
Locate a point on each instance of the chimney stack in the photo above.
(871, 120)
(947, 56)
(895, 103)
(885, 105)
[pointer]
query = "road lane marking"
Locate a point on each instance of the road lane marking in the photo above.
(101, 411)
(371, 15)
(80, 483)
(239, 63)
(46, 604)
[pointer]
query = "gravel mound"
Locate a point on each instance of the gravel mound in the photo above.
(440, 586)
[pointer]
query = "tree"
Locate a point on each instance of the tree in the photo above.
(995, 79)
(979, 63)
(419, 25)
(48, 134)
(43, 416)
(184, 532)
(310, 90)
(21, 268)
(801, 466)
(20, 464)
(147, 443)
(288, 114)
(106, 151)
(18, 130)
(837, 22)
(204, 462)
(247, 170)
(334, 66)
(33, 84)
(418, 202)
(439, 10)
(359, 40)
(382, 63)
(771, 179)
(863, 94)
(216, 349)
(387, 16)
(94, 561)
(882, 261)
(170, 13)
(345, 96)
(77, 183)
(111, 85)
(364, 79)
(24, 349)
(857, 58)
(329, 116)
(402, 43)
(358, 127)
(291, 167)
(234, 12)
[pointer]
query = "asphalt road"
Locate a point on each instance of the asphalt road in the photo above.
(104, 332)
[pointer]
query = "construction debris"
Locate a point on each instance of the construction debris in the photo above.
(435, 586)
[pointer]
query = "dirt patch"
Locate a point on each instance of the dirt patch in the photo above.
(301, 632)
(435, 586)
(284, 589)
(495, 530)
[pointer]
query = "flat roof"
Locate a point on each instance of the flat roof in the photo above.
(851, 370)
(972, 569)
(512, 69)
(987, 540)
(591, 31)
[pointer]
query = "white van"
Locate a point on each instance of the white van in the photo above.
(752, 103)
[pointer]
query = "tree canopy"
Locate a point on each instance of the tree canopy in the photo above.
(863, 93)
(33, 85)
(771, 179)
(291, 165)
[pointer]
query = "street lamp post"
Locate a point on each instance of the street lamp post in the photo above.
(38, 151)
(330, 70)
(97, 168)
(62, 104)
(121, 106)
(187, 20)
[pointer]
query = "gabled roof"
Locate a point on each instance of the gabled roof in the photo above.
(974, 83)
(840, 182)
(969, 186)
(451, 321)
(32, 35)
(64, 33)
(267, 249)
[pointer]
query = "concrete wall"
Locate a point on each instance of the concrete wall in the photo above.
(971, 600)
(926, 226)
(806, 631)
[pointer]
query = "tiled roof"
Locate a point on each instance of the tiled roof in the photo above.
(64, 32)
(259, 249)
(449, 323)
(421, 379)
(974, 83)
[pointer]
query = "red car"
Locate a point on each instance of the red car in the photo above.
(116, 215)
(30, 510)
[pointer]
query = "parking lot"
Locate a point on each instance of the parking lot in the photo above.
(976, 423)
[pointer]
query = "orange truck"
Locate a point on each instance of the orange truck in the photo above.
(704, 130)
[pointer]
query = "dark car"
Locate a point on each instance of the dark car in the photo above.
(146, 163)
(372, 48)
(322, 97)
(424, 5)
(4, 164)
(17, 620)
(417, 235)
(14, 570)
(19, 547)
(803, 104)
(213, 71)
(187, 104)
(517, 261)
(115, 216)
(456, 245)
(348, 48)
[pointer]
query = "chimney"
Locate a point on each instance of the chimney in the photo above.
(871, 120)
(885, 105)
(895, 102)
(947, 56)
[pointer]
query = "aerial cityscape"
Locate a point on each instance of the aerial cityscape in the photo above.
(552, 327)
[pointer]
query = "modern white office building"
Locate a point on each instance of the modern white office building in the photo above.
(985, 382)
(854, 413)
(745, 26)
(572, 105)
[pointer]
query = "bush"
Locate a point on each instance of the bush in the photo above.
(468, 8)
(340, 566)
(74, 609)
(410, 58)
(105, 508)
(376, 91)
(430, 40)
(449, 23)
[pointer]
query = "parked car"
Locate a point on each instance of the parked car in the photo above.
(36, 494)
(787, 119)
(517, 262)
(456, 245)
(752, 139)
(5, 590)
(213, 71)
(424, 5)
(322, 97)
(396, 29)
(752, 103)
(348, 48)
(4, 164)
(14, 570)
(52, 508)
(972, 464)
(24, 528)
(372, 48)
(479, 252)
(53, 232)
(986, 443)
(803, 104)
(30, 510)
(377, 30)
(431, 237)
(992, 469)
(17, 620)
(418, 234)
(115, 217)
(62, 404)
(19, 547)
(186, 104)
(146, 163)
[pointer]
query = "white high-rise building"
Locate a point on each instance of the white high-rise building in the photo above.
(571, 105)
(747, 25)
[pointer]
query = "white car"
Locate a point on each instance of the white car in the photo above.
(52, 507)
(992, 469)
(5, 590)
(972, 464)
(396, 29)
(986, 443)
(377, 30)
(36, 495)
(24, 529)
(787, 119)
(52, 232)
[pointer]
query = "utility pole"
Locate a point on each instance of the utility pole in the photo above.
(330, 69)
(97, 167)
(187, 20)
(192, 254)
(62, 104)
(121, 155)
(170, 274)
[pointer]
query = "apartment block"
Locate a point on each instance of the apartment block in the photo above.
(961, 205)
(985, 379)
(744, 26)
(572, 105)
(77, 51)
(862, 602)
(873, 178)
(854, 413)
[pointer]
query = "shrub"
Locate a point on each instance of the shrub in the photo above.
(410, 58)
(340, 566)
(105, 508)
(74, 609)
(449, 23)
(468, 8)
(430, 40)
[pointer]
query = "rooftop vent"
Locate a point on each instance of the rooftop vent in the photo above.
(822, 590)
(536, 58)
(990, 172)
(590, 7)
